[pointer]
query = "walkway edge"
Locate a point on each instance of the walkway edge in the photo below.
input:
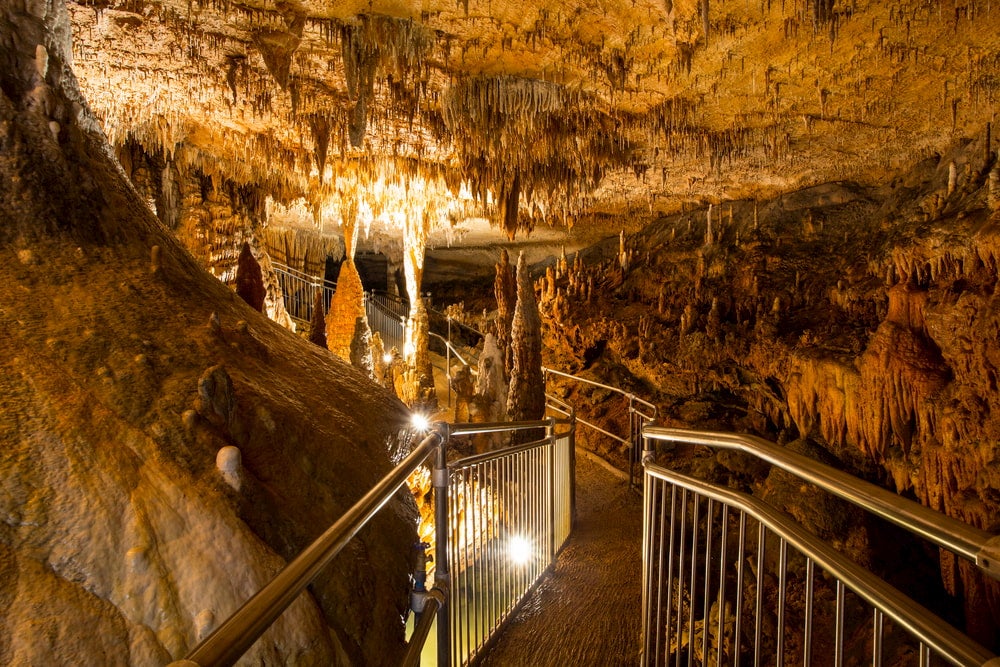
(599, 460)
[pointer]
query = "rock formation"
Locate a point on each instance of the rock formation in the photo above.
(880, 354)
(126, 372)
(250, 280)
(526, 397)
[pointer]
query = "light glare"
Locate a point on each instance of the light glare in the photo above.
(519, 550)
(387, 358)
(420, 422)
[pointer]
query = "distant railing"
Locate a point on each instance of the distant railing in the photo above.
(719, 566)
(299, 292)
(640, 413)
(390, 325)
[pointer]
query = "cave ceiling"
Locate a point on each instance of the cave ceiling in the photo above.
(535, 112)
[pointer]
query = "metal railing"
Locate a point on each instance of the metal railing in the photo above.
(729, 579)
(390, 326)
(236, 634)
(640, 413)
(299, 291)
(510, 512)
(500, 517)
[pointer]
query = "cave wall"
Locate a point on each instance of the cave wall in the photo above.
(862, 319)
(125, 371)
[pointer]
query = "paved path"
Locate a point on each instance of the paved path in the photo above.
(587, 611)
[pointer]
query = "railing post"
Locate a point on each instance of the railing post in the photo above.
(447, 366)
(550, 435)
(442, 575)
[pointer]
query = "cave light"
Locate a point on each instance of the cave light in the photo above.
(519, 550)
(420, 422)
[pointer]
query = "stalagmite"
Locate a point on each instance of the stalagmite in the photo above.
(505, 292)
(526, 398)
(249, 280)
(317, 328)
(347, 332)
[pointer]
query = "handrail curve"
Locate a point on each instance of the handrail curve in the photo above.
(918, 620)
(630, 396)
(228, 642)
(974, 544)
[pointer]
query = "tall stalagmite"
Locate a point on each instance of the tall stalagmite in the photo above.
(505, 291)
(250, 280)
(526, 400)
(347, 333)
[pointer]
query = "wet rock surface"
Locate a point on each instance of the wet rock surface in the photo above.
(587, 611)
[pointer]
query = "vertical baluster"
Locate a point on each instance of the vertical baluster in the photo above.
(925, 655)
(782, 590)
(650, 497)
(680, 577)
(759, 608)
(877, 627)
(707, 606)
(509, 512)
(454, 545)
(663, 626)
(740, 565)
(723, 544)
(808, 630)
(694, 577)
(482, 544)
(838, 643)
(466, 574)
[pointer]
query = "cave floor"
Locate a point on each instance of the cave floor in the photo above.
(587, 610)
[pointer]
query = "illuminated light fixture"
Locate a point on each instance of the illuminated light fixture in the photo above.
(519, 550)
(420, 422)
(387, 358)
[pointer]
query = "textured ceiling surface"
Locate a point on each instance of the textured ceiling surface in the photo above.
(536, 111)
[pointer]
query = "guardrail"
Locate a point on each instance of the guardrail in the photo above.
(390, 326)
(693, 596)
(299, 291)
(501, 518)
(510, 512)
(236, 634)
(640, 413)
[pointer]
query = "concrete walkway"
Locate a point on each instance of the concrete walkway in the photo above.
(587, 611)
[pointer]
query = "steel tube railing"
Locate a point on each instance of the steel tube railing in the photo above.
(422, 628)
(967, 541)
(518, 496)
(934, 635)
(233, 637)
(638, 417)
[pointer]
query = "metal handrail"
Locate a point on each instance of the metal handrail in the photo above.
(470, 428)
(233, 637)
(972, 543)
(302, 275)
(918, 620)
(632, 397)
